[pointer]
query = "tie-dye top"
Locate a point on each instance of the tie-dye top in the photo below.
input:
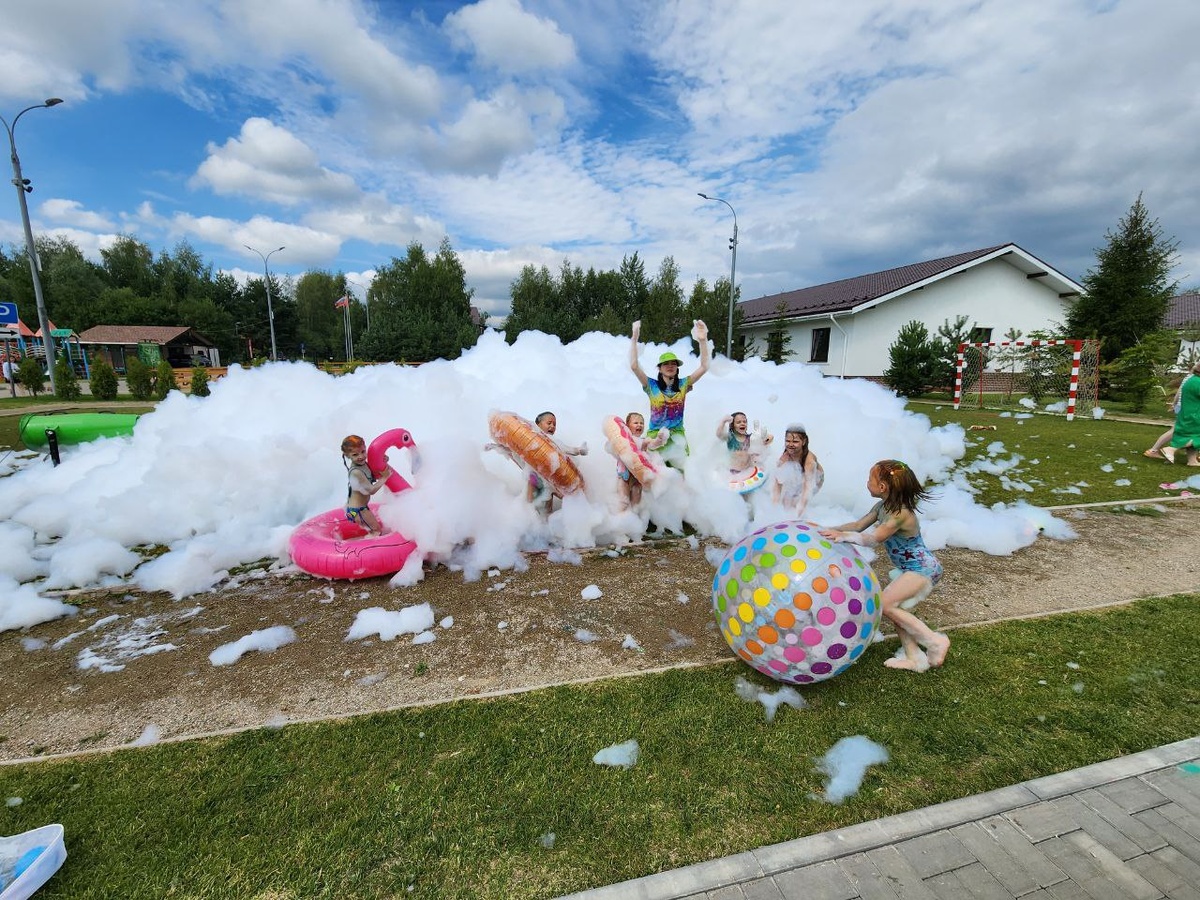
(666, 410)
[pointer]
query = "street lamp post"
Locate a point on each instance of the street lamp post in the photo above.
(267, 282)
(733, 242)
(23, 187)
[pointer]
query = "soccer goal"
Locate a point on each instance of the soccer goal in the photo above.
(1057, 376)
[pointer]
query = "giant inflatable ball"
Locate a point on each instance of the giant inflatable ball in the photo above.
(797, 607)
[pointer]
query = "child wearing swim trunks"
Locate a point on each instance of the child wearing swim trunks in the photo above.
(893, 522)
(629, 487)
(363, 484)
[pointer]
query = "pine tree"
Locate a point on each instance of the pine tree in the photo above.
(779, 338)
(1129, 291)
(103, 383)
(913, 360)
(65, 381)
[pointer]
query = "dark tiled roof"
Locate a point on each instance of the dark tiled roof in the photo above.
(132, 334)
(839, 296)
(1184, 311)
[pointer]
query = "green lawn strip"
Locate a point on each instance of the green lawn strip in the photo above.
(1066, 453)
(453, 799)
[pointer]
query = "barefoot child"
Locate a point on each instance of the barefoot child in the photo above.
(362, 484)
(630, 488)
(895, 525)
(798, 474)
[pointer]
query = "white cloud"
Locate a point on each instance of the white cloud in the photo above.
(269, 162)
(504, 36)
(504, 126)
(71, 212)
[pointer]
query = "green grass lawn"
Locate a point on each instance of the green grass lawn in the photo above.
(454, 800)
(1057, 455)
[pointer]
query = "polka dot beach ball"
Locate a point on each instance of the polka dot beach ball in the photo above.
(794, 605)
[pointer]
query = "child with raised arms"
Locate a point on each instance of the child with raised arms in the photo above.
(735, 431)
(893, 522)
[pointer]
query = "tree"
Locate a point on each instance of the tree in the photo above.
(31, 375)
(779, 338)
(1138, 373)
(663, 316)
(711, 305)
(164, 379)
(139, 378)
(200, 382)
(913, 360)
(421, 308)
(65, 381)
(1129, 291)
(536, 304)
(949, 336)
(103, 382)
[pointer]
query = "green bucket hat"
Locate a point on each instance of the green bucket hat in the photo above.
(669, 357)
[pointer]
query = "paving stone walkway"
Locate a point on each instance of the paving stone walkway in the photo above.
(1126, 828)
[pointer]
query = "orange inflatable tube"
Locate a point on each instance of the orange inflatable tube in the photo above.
(536, 449)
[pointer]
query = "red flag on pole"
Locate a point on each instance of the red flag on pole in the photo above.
(343, 302)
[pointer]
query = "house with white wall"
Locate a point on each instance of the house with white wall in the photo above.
(846, 327)
(1183, 317)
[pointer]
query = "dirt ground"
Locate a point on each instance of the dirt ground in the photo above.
(129, 660)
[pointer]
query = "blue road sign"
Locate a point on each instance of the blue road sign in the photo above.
(8, 314)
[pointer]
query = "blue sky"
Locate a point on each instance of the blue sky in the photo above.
(850, 137)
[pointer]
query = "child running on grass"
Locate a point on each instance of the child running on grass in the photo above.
(895, 525)
(363, 483)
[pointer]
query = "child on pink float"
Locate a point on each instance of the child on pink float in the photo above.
(629, 488)
(362, 484)
(893, 522)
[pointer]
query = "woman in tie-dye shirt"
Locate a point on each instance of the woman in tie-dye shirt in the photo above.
(668, 392)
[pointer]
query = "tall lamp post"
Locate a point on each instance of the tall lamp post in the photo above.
(267, 282)
(23, 187)
(733, 242)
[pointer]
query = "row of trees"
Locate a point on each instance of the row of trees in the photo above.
(418, 307)
(574, 302)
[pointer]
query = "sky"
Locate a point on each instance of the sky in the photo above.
(848, 137)
(222, 481)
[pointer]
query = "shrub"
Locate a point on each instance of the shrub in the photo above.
(200, 382)
(65, 382)
(31, 375)
(164, 380)
(103, 382)
(913, 361)
(140, 379)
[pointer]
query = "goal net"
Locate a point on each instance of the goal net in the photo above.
(1054, 376)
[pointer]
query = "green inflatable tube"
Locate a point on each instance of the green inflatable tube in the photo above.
(74, 428)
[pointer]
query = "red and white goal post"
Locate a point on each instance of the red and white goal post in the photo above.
(1037, 369)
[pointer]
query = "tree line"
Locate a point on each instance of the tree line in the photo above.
(417, 307)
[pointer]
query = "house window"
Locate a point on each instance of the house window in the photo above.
(980, 336)
(820, 346)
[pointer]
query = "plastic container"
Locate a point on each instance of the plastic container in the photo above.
(40, 869)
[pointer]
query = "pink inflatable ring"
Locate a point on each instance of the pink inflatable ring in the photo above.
(331, 546)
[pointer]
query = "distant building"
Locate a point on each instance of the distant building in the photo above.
(1183, 317)
(846, 327)
(181, 346)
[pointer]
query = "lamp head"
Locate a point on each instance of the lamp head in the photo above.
(705, 196)
(53, 101)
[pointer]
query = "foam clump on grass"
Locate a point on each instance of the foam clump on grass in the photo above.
(846, 764)
(785, 696)
(623, 755)
(389, 624)
(264, 640)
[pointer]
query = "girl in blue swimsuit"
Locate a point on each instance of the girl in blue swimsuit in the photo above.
(893, 522)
